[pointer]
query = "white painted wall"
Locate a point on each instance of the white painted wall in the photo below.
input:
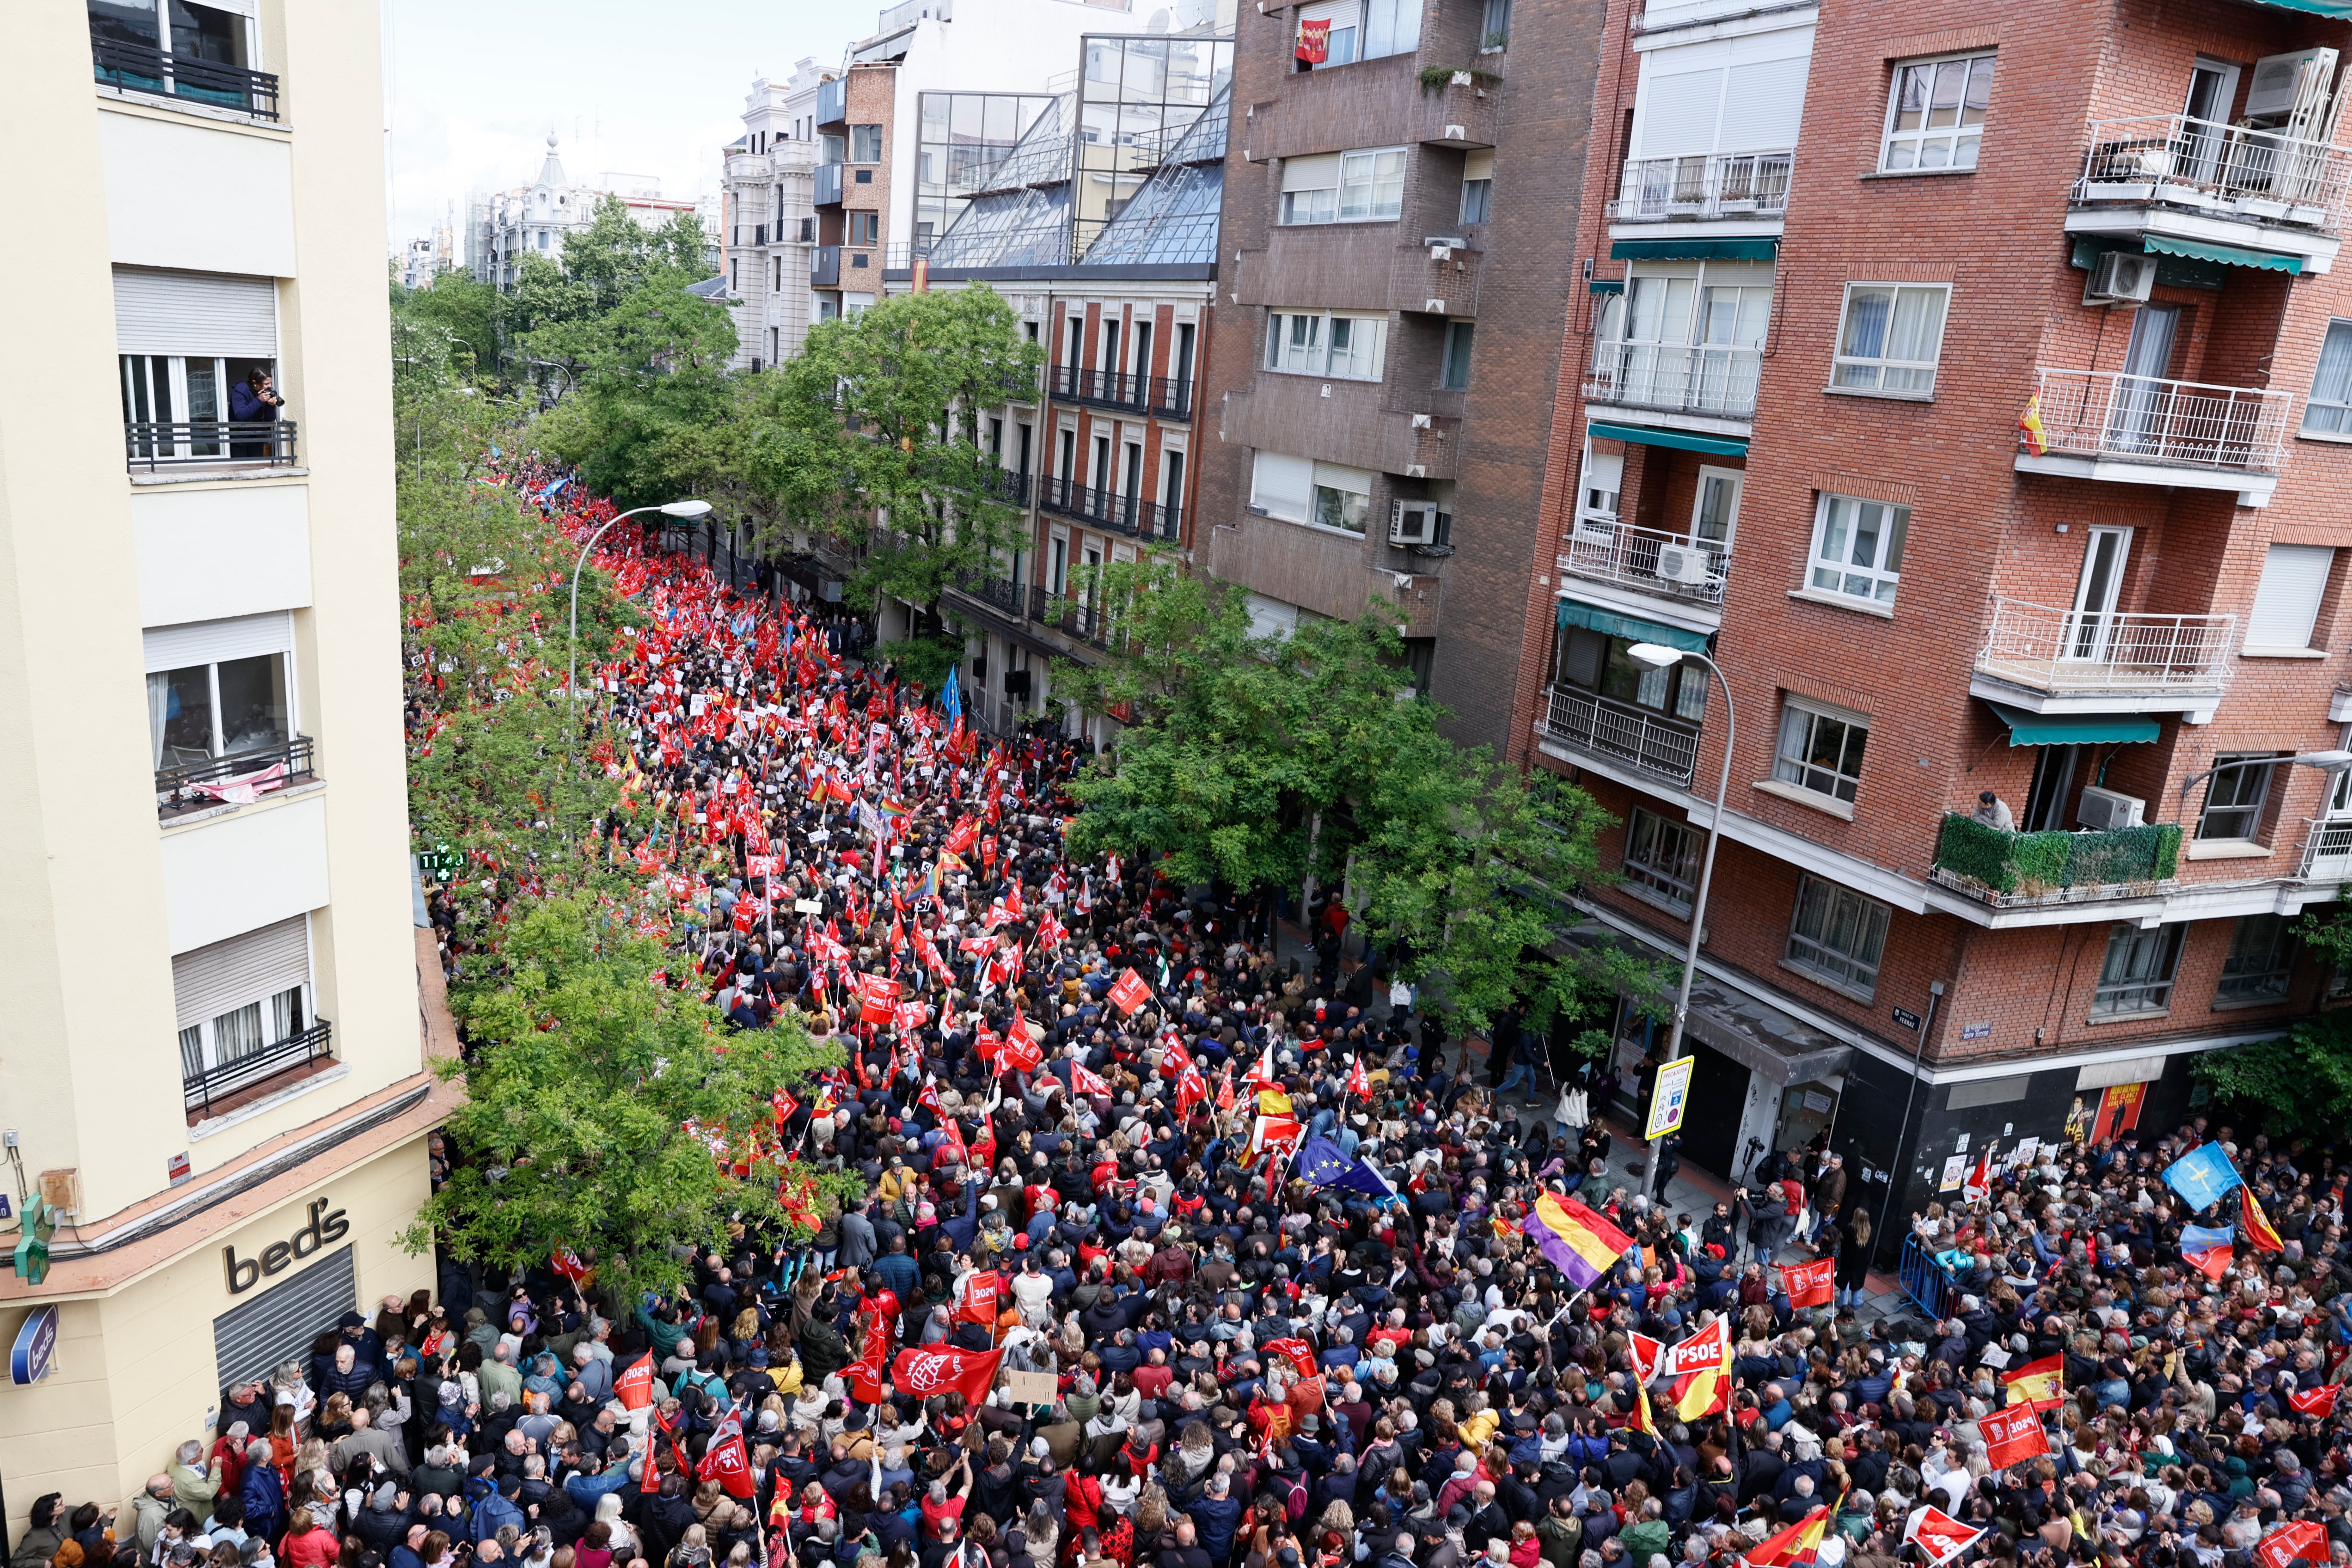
(203, 196)
(236, 873)
(208, 555)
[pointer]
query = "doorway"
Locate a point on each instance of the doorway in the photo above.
(2140, 418)
(2093, 621)
(2053, 787)
(1715, 515)
(2212, 89)
(1713, 1111)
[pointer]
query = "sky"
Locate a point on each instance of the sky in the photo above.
(472, 88)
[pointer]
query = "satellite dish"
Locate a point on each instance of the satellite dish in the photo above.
(1159, 22)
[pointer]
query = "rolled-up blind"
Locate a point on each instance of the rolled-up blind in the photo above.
(1315, 171)
(2294, 577)
(249, 967)
(1282, 485)
(1762, 106)
(205, 313)
(209, 642)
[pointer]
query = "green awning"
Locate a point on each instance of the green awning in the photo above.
(1684, 440)
(1760, 249)
(1607, 285)
(2230, 254)
(2339, 9)
(1633, 628)
(2074, 729)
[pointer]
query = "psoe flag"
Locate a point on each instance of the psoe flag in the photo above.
(2305, 1538)
(2203, 1176)
(1577, 1242)
(2013, 1435)
(1799, 1545)
(1940, 1536)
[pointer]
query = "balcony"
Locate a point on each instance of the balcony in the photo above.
(2141, 430)
(205, 1089)
(1613, 551)
(1620, 732)
(237, 779)
(998, 593)
(2168, 175)
(1109, 511)
(1004, 485)
(1459, 114)
(136, 67)
(1345, 422)
(2327, 850)
(824, 266)
(1708, 188)
(1073, 617)
(1715, 382)
(1340, 265)
(2007, 869)
(833, 101)
(152, 444)
(827, 186)
(2088, 662)
(1171, 397)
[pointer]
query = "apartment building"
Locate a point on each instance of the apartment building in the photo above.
(502, 227)
(205, 871)
(939, 94)
(1101, 229)
(1396, 264)
(769, 222)
(1974, 389)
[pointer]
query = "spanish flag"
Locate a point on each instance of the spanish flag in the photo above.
(2029, 428)
(2040, 1384)
(2257, 1225)
(1577, 1242)
(1703, 1361)
(1641, 1420)
(1799, 1545)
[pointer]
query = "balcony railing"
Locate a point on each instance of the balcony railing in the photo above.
(2222, 171)
(1714, 185)
(1998, 866)
(1170, 396)
(827, 191)
(1647, 558)
(1002, 592)
(2146, 420)
(136, 67)
(1004, 485)
(1109, 510)
(2059, 651)
(237, 779)
(1604, 727)
(832, 100)
(155, 444)
(1715, 379)
(201, 1088)
(2327, 850)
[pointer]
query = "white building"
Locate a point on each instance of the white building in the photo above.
(767, 225)
(504, 226)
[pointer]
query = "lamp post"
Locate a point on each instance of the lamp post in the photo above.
(1657, 655)
(681, 509)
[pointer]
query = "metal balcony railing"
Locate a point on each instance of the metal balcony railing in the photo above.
(136, 67)
(1998, 866)
(2223, 171)
(155, 444)
(2144, 418)
(1647, 558)
(832, 100)
(1713, 379)
(1109, 510)
(1004, 485)
(238, 778)
(1604, 727)
(201, 1088)
(1170, 396)
(2327, 850)
(2056, 650)
(1712, 185)
(1002, 592)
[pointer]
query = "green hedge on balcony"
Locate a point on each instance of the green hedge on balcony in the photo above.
(2039, 863)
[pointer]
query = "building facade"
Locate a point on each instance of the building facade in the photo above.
(206, 864)
(1974, 389)
(505, 226)
(1393, 227)
(769, 219)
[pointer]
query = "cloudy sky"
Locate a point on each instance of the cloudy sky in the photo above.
(472, 88)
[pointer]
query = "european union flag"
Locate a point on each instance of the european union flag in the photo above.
(2203, 1176)
(1322, 1165)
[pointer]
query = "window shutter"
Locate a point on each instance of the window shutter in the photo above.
(1340, 14)
(202, 313)
(1315, 171)
(1678, 112)
(209, 642)
(1478, 165)
(2287, 602)
(1282, 485)
(1604, 471)
(1762, 105)
(212, 980)
(1355, 481)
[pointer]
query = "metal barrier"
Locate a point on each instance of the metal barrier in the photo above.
(1923, 1281)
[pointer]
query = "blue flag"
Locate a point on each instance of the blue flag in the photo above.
(1322, 1165)
(2203, 1176)
(951, 699)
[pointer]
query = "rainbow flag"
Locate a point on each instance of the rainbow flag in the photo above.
(2258, 1224)
(1799, 1544)
(1577, 1242)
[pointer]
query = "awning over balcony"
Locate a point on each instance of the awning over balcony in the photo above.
(1683, 440)
(2231, 254)
(1633, 628)
(2339, 9)
(1760, 248)
(2074, 729)
(1606, 286)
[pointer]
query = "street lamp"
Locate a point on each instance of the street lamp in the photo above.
(687, 510)
(1657, 655)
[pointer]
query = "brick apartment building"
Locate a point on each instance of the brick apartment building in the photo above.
(1827, 258)
(1396, 264)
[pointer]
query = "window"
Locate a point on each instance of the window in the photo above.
(1936, 113)
(194, 32)
(2137, 974)
(864, 228)
(188, 340)
(2329, 410)
(1477, 186)
(1282, 486)
(1891, 338)
(1346, 18)
(238, 998)
(1988, 1091)
(1858, 548)
(2235, 795)
(1596, 662)
(1838, 935)
(866, 143)
(218, 689)
(1343, 187)
(1820, 749)
(1662, 857)
(1349, 348)
(1453, 375)
(1343, 497)
(2286, 605)
(1495, 28)
(808, 231)
(2262, 958)
(1686, 337)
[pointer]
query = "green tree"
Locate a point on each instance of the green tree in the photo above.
(2300, 1084)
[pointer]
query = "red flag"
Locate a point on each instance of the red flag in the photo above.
(635, 1386)
(1021, 1052)
(979, 1301)
(2013, 1435)
(1939, 1535)
(1191, 1089)
(1131, 993)
(725, 1460)
(1644, 1352)
(1359, 1082)
(1809, 1284)
(1296, 1352)
(1084, 1079)
(1314, 41)
(965, 834)
(567, 1263)
(936, 1369)
(2318, 1403)
(2305, 1538)
(2258, 1224)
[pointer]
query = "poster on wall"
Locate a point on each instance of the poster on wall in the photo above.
(1955, 1169)
(2119, 1111)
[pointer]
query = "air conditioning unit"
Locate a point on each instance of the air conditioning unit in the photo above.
(2277, 81)
(2106, 810)
(1684, 563)
(2121, 277)
(1415, 522)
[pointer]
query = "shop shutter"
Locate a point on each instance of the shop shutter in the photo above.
(206, 313)
(209, 642)
(1284, 485)
(278, 1325)
(2287, 602)
(214, 979)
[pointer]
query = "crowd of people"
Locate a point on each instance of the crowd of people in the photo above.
(1173, 1254)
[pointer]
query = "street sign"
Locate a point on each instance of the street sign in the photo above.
(35, 1351)
(1907, 1018)
(1668, 1099)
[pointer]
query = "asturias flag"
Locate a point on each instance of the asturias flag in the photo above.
(1577, 1242)
(2203, 1176)
(2208, 1247)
